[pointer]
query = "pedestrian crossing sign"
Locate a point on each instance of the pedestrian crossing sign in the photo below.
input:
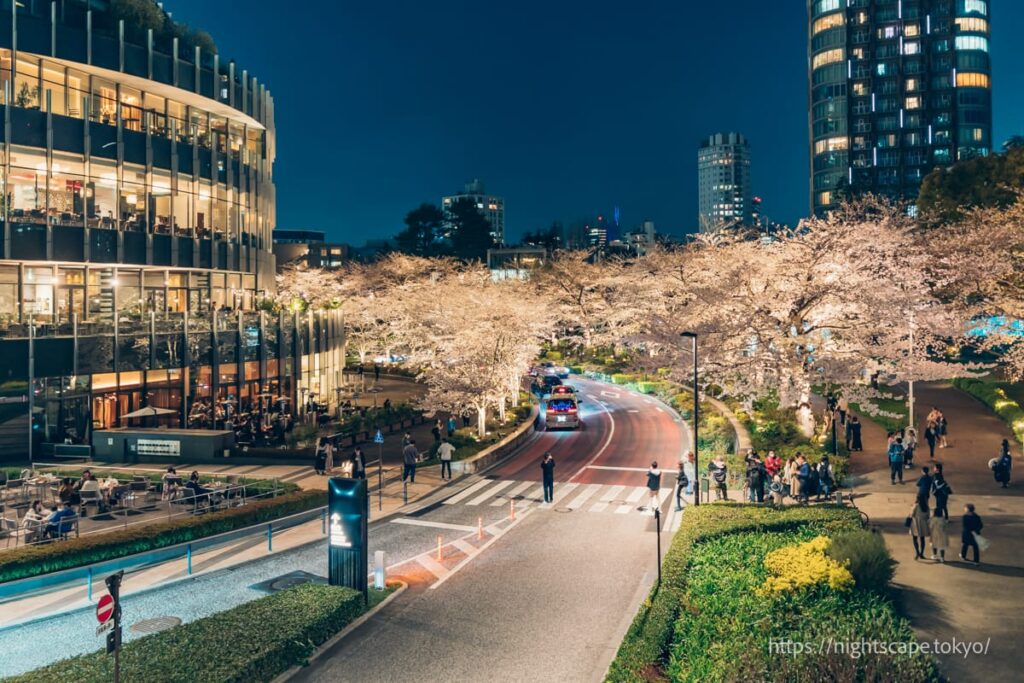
(378, 437)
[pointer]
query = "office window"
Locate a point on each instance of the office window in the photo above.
(827, 22)
(973, 24)
(911, 30)
(972, 43)
(974, 7)
(830, 145)
(827, 57)
(913, 102)
(822, 6)
(972, 80)
(911, 48)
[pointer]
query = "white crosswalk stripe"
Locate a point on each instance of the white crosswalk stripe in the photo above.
(598, 498)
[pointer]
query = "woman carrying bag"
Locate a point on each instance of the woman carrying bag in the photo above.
(919, 527)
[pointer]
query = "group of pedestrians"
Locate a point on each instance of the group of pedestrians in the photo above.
(926, 523)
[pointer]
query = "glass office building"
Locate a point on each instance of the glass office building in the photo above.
(897, 88)
(137, 209)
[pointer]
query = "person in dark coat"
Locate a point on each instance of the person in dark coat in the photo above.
(320, 464)
(924, 485)
(409, 455)
(358, 464)
(803, 475)
(942, 491)
(931, 435)
(755, 479)
(970, 525)
(547, 468)
(654, 485)
(1004, 463)
(853, 428)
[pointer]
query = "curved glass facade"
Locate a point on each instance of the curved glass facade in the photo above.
(897, 88)
(137, 208)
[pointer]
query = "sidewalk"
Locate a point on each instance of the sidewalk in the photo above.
(956, 599)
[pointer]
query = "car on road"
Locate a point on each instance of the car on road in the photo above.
(562, 412)
(563, 390)
(548, 368)
(548, 383)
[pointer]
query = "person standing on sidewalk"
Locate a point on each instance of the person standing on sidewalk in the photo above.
(924, 485)
(376, 373)
(436, 431)
(444, 452)
(358, 464)
(919, 527)
(451, 425)
(320, 462)
(406, 438)
(803, 476)
(943, 425)
(654, 485)
(547, 469)
(329, 461)
(682, 482)
(942, 491)
(719, 473)
(931, 435)
(853, 434)
(937, 526)
(909, 446)
(844, 408)
(896, 460)
(1003, 465)
(409, 454)
(970, 526)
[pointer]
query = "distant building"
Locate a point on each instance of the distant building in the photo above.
(308, 247)
(491, 206)
(515, 263)
(723, 181)
(641, 239)
(896, 89)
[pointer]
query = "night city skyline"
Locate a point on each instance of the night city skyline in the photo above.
(568, 110)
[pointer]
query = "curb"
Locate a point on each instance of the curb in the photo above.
(489, 451)
(336, 638)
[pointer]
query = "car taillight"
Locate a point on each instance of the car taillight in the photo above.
(571, 410)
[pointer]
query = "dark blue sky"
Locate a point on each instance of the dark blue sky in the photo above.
(564, 107)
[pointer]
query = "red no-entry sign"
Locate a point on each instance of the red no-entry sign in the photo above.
(104, 609)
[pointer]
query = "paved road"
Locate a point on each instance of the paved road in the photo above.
(546, 597)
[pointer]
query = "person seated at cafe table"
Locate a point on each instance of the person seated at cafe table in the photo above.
(67, 493)
(59, 522)
(86, 476)
(198, 490)
(34, 522)
(170, 481)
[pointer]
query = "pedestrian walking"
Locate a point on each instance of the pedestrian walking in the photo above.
(451, 425)
(719, 471)
(376, 373)
(1002, 466)
(970, 529)
(409, 455)
(943, 424)
(445, 452)
(942, 491)
(547, 469)
(853, 434)
(406, 438)
(909, 446)
(465, 418)
(358, 464)
(931, 436)
(919, 527)
(896, 460)
(844, 408)
(938, 530)
(654, 485)
(436, 431)
(924, 485)
(682, 482)
(320, 461)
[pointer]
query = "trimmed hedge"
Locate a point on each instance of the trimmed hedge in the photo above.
(646, 649)
(994, 396)
(256, 641)
(34, 560)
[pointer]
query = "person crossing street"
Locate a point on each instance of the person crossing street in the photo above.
(547, 468)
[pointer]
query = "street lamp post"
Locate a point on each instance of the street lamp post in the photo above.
(696, 416)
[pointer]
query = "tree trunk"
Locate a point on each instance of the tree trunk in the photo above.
(481, 421)
(501, 410)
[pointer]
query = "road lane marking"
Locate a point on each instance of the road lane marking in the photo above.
(467, 548)
(433, 566)
(581, 499)
(491, 491)
(503, 500)
(561, 491)
(610, 394)
(659, 409)
(610, 495)
(607, 442)
(631, 501)
(535, 496)
(617, 469)
(435, 525)
(458, 498)
(632, 410)
(495, 535)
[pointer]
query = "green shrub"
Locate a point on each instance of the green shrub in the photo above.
(256, 641)
(34, 560)
(707, 621)
(867, 558)
(995, 396)
(553, 355)
(623, 378)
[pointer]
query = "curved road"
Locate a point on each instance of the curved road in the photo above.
(622, 433)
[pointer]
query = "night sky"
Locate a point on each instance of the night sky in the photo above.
(566, 108)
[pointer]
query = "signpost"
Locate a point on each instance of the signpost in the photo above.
(108, 613)
(347, 548)
(379, 440)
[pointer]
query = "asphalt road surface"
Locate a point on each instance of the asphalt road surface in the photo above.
(545, 594)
